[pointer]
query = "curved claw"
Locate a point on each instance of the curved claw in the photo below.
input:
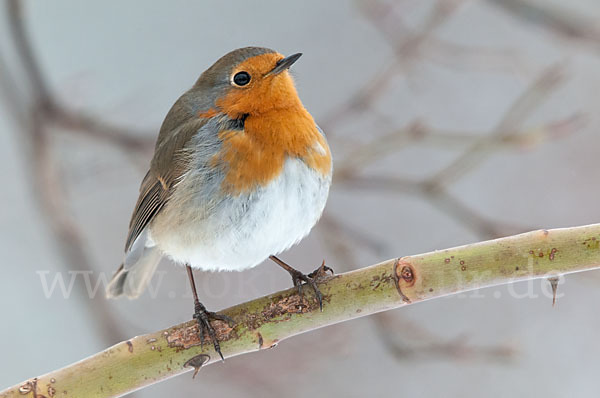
(321, 271)
(297, 281)
(313, 284)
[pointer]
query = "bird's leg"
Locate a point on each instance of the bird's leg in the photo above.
(203, 317)
(310, 279)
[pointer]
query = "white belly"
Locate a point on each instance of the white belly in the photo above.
(243, 231)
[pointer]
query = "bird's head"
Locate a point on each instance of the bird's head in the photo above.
(248, 81)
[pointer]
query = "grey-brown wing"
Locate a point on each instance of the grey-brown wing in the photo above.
(170, 162)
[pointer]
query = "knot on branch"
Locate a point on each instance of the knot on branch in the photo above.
(404, 276)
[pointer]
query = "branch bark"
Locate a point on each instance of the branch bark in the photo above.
(264, 322)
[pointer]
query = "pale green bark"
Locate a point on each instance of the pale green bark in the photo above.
(263, 322)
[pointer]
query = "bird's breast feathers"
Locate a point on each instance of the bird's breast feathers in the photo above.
(248, 194)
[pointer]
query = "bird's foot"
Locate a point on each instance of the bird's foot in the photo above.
(203, 317)
(311, 279)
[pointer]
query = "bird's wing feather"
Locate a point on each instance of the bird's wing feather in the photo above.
(168, 165)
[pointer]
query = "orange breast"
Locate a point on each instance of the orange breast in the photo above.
(254, 157)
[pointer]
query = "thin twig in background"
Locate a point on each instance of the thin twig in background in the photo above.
(558, 20)
(509, 133)
(45, 179)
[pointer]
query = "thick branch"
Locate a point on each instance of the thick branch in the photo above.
(264, 322)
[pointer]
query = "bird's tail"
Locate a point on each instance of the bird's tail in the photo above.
(130, 280)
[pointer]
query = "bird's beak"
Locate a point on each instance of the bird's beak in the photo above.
(284, 64)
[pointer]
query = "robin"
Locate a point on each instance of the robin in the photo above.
(240, 173)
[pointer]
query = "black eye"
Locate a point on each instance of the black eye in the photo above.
(241, 78)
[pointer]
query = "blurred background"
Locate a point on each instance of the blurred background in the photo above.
(450, 122)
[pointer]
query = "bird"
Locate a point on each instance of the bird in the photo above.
(241, 172)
